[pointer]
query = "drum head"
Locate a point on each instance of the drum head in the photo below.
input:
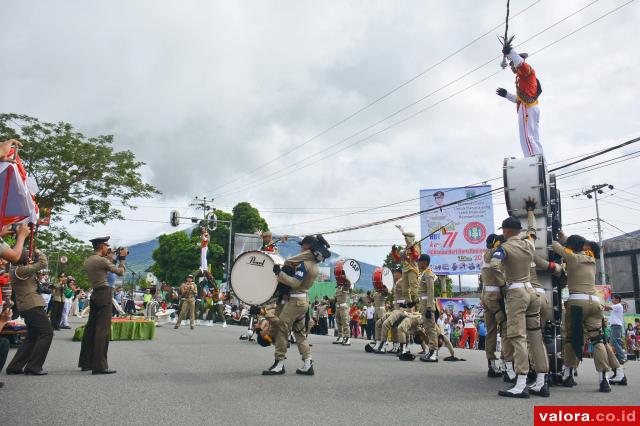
(387, 278)
(352, 270)
(252, 277)
(524, 178)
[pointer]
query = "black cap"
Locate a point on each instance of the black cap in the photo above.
(96, 242)
(575, 243)
(309, 239)
(511, 222)
(424, 258)
(397, 268)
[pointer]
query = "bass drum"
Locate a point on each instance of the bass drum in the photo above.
(524, 178)
(382, 279)
(252, 277)
(349, 268)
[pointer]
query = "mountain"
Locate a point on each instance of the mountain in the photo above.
(139, 259)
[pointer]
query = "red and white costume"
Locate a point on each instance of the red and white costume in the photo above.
(204, 246)
(526, 100)
(469, 330)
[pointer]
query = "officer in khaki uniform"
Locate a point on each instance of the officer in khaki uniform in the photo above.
(294, 309)
(514, 257)
(188, 292)
(412, 322)
(408, 257)
(343, 291)
(494, 315)
(583, 315)
(32, 353)
(427, 307)
(379, 300)
(97, 331)
(398, 290)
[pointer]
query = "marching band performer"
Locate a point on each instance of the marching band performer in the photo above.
(514, 257)
(204, 246)
(343, 292)
(583, 316)
(428, 307)
(528, 90)
(267, 242)
(409, 258)
(410, 324)
(379, 299)
(494, 310)
(314, 249)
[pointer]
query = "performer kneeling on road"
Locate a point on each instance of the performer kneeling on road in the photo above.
(294, 309)
(97, 332)
(409, 325)
(528, 90)
(514, 257)
(583, 318)
(428, 307)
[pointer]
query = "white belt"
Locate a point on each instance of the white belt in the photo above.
(492, 289)
(578, 296)
(342, 305)
(400, 301)
(518, 285)
(424, 297)
(540, 290)
(299, 295)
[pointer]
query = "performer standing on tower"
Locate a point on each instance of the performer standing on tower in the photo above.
(528, 89)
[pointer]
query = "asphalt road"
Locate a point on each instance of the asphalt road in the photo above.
(208, 376)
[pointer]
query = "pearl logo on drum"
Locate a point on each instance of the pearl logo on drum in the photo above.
(252, 261)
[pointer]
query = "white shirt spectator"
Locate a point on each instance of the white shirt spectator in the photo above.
(371, 311)
(617, 315)
(447, 329)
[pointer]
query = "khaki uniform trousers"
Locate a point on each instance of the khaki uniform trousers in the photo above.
(342, 321)
(429, 324)
(447, 343)
(535, 341)
(188, 306)
(379, 313)
(291, 318)
(592, 327)
(410, 286)
(495, 319)
(387, 325)
(546, 310)
(518, 305)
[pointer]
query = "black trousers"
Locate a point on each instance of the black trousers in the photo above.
(56, 314)
(4, 351)
(97, 331)
(33, 351)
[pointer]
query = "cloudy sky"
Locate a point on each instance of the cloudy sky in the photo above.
(206, 92)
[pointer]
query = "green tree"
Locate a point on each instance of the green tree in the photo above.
(176, 256)
(76, 171)
(247, 219)
(56, 242)
(389, 261)
(448, 286)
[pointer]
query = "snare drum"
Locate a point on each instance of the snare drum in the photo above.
(348, 268)
(387, 278)
(252, 277)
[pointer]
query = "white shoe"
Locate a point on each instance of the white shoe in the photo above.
(224, 324)
(209, 323)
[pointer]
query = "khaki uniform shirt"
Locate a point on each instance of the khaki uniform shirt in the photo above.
(581, 269)
(303, 279)
(414, 321)
(58, 292)
(379, 299)
(342, 295)
(397, 291)
(97, 267)
(188, 291)
(491, 276)
(514, 256)
(426, 288)
(25, 286)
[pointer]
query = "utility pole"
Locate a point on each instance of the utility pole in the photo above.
(593, 193)
(203, 204)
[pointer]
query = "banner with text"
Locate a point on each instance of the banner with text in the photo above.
(458, 249)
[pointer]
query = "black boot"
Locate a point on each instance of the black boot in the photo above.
(604, 383)
(276, 369)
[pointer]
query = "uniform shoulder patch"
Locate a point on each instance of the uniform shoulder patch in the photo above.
(499, 254)
(301, 271)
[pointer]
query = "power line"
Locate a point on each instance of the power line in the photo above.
(375, 101)
(287, 170)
